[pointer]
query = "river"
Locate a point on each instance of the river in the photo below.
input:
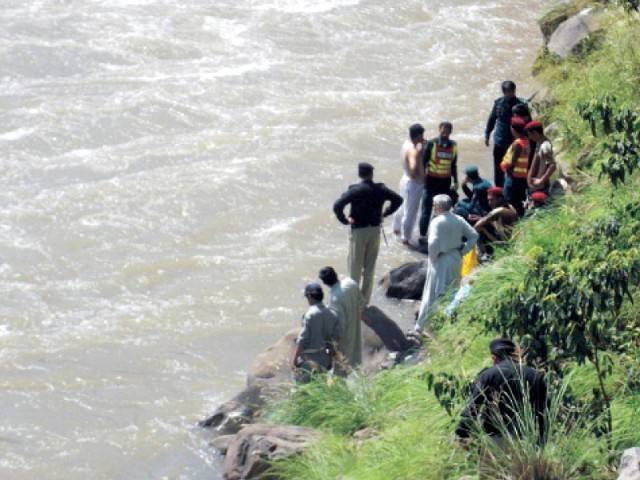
(168, 170)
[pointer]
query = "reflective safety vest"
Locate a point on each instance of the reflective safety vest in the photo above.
(521, 167)
(442, 159)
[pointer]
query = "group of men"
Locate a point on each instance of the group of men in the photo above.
(523, 165)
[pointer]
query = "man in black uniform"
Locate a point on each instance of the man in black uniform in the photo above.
(367, 200)
(499, 394)
(500, 119)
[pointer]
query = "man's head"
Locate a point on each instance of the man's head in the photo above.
(517, 127)
(495, 197)
(328, 276)
(365, 171)
(521, 110)
(502, 349)
(535, 131)
(445, 129)
(313, 293)
(472, 172)
(441, 203)
(416, 133)
(509, 89)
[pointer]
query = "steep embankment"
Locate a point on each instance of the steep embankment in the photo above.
(565, 289)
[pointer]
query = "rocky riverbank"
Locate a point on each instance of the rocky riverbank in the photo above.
(393, 425)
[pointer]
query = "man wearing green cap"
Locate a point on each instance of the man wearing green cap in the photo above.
(475, 189)
(315, 345)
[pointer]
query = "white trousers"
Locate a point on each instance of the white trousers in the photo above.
(405, 217)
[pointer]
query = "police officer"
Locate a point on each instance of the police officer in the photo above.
(500, 392)
(367, 200)
(500, 120)
(315, 346)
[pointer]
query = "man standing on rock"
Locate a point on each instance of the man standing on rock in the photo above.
(450, 239)
(440, 160)
(346, 302)
(367, 200)
(315, 345)
(500, 120)
(411, 184)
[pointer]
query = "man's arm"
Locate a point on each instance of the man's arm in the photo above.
(338, 207)
(465, 188)
(491, 124)
(394, 199)
(472, 237)
(490, 217)
(454, 170)
(301, 342)
(426, 155)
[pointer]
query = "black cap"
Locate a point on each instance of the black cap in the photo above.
(365, 169)
(313, 289)
(502, 347)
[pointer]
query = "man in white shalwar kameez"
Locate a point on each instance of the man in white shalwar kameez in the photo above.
(450, 238)
(347, 303)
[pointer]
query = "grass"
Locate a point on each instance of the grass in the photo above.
(411, 433)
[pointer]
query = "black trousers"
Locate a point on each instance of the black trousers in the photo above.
(433, 188)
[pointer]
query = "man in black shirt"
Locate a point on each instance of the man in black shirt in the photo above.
(500, 392)
(367, 200)
(500, 121)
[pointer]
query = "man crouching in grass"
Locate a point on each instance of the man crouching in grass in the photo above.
(508, 401)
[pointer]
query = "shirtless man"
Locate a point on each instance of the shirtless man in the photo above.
(498, 224)
(411, 184)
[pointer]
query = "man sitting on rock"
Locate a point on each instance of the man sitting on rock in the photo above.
(347, 303)
(498, 224)
(315, 345)
(475, 189)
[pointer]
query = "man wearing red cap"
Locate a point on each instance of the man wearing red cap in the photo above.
(516, 167)
(498, 224)
(543, 165)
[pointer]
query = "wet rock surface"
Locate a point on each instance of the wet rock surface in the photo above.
(406, 282)
(255, 447)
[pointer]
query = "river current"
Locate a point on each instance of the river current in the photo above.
(168, 170)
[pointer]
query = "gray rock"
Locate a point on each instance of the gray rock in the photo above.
(572, 32)
(630, 465)
(254, 448)
(232, 415)
(406, 281)
(221, 444)
(556, 13)
(269, 378)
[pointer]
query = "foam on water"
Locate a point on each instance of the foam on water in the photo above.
(168, 174)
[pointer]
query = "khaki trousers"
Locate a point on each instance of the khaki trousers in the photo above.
(364, 244)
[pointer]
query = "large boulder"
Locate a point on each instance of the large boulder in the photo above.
(630, 465)
(272, 367)
(557, 12)
(407, 281)
(255, 447)
(269, 378)
(571, 33)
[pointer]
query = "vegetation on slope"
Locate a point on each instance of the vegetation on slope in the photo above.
(565, 289)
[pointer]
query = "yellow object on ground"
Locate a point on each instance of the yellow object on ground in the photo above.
(469, 262)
